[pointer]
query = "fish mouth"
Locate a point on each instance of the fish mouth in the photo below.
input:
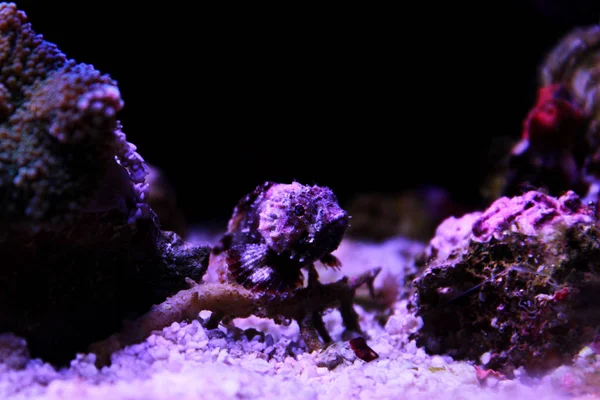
(330, 236)
(311, 248)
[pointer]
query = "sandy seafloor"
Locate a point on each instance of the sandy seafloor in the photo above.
(185, 361)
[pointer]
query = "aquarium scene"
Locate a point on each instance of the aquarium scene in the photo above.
(252, 201)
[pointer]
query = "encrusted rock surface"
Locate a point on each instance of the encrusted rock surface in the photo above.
(519, 282)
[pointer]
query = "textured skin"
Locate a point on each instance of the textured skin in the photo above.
(278, 229)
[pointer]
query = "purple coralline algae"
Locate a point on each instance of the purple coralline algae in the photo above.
(515, 285)
(81, 249)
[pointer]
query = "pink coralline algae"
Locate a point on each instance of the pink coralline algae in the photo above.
(559, 149)
(552, 152)
(80, 246)
(517, 283)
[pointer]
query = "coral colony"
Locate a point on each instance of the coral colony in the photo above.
(513, 286)
(77, 232)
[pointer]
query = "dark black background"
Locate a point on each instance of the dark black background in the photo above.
(357, 97)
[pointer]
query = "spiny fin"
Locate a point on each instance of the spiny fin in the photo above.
(244, 206)
(331, 261)
(252, 266)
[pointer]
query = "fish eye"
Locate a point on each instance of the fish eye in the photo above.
(299, 210)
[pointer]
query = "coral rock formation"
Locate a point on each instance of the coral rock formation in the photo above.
(61, 140)
(518, 282)
(79, 245)
(559, 149)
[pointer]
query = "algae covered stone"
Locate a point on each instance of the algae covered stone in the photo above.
(519, 281)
